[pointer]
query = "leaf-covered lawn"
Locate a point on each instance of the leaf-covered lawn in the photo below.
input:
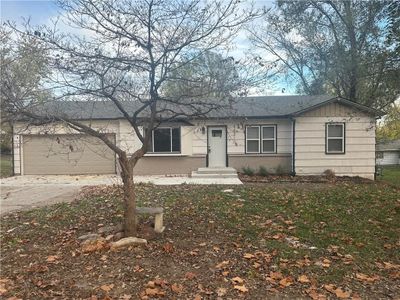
(252, 241)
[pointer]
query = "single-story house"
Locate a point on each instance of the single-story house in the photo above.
(302, 135)
(388, 153)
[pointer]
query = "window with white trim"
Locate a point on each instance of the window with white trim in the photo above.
(335, 138)
(268, 135)
(261, 139)
(166, 140)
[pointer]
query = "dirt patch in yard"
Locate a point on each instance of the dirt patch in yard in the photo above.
(301, 179)
(251, 242)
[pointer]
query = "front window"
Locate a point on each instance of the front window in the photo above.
(166, 140)
(261, 139)
(335, 138)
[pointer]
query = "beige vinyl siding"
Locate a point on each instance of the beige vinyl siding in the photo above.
(334, 109)
(127, 138)
(359, 156)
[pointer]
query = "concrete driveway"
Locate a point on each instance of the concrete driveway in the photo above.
(27, 192)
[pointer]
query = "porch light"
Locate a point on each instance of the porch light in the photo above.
(203, 130)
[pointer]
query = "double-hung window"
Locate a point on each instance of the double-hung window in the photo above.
(335, 138)
(261, 139)
(166, 140)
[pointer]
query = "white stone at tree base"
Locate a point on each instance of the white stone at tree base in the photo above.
(128, 241)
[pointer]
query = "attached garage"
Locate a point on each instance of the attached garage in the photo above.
(66, 154)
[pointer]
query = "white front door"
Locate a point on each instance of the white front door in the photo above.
(216, 146)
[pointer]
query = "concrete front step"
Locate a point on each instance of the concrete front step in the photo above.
(226, 170)
(195, 174)
(215, 173)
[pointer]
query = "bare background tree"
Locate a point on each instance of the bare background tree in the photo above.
(340, 47)
(23, 64)
(129, 51)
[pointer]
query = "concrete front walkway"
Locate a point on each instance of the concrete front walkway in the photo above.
(30, 191)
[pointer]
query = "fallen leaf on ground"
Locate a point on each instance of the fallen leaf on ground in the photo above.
(366, 278)
(237, 280)
(177, 288)
(275, 275)
(222, 264)
(394, 275)
(315, 295)
(356, 297)
(3, 289)
(168, 247)
(107, 287)
(326, 263)
(389, 265)
(161, 282)
(154, 292)
(4, 283)
(285, 282)
(303, 279)
(241, 288)
(342, 294)
(329, 287)
(248, 255)
(52, 258)
(151, 284)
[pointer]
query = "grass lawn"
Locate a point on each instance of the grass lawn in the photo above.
(5, 166)
(391, 174)
(253, 242)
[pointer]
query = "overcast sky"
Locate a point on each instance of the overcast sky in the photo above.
(40, 12)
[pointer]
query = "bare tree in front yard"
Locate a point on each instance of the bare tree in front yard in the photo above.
(128, 52)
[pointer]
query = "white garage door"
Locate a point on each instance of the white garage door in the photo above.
(66, 154)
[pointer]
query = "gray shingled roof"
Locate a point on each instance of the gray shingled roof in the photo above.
(271, 106)
(250, 107)
(388, 146)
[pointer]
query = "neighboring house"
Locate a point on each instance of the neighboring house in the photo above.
(303, 135)
(388, 153)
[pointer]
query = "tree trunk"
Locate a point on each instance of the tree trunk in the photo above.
(129, 196)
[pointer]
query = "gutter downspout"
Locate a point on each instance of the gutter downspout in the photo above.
(293, 147)
(377, 168)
